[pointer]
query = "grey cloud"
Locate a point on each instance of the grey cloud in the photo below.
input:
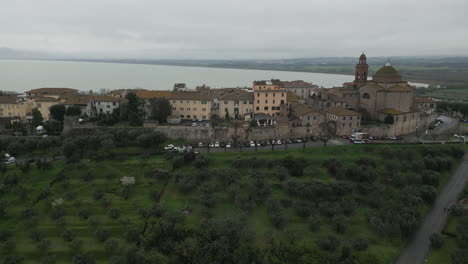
(236, 28)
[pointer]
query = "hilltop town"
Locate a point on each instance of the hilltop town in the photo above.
(384, 105)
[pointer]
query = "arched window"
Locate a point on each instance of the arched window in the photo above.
(366, 96)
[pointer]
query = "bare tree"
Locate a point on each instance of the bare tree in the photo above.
(328, 131)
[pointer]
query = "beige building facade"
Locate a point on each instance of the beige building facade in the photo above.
(191, 105)
(268, 97)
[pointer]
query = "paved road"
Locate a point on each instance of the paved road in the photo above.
(416, 251)
(334, 142)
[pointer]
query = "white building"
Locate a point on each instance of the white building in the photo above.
(102, 105)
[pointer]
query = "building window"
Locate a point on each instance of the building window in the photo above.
(107, 106)
(258, 101)
(257, 108)
(181, 116)
(181, 102)
(194, 109)
(188, 108)
(181, 109)
(266, 95)
(203, 102)
(274, 94)
(282, 101)
(225, 102)
(350, 118)
(173, 108)
(245, 102)
(282, 94)
(113, 103)
(274, 101)
(203, 109)
(258, 94)
(265, 108)
(38, 106)
(314, 118)
(266, 101)
(366, 96)
(344, 117)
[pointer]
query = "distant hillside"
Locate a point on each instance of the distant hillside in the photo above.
(14, 54)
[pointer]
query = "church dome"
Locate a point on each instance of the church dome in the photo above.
(387, 74)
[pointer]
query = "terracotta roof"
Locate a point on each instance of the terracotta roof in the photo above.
(373, 85)
(236, 94)
(334, 98)
(190, 95)
(8, 99)
(142, 94)
(105, 98)
(424, 100)
(391, 111)
(53, 90)
(46, 99)
(291, 97)
(78, 100)
(301, 109)
(342, 112)
(387, 74)
(399, 88)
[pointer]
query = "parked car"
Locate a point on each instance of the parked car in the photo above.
(278, 142)
(359, 142)
(299, 140)
(392, 138)
(211, 145)
(252, 144)
(216, 144)
(345, 137)
(169, 147)
(228, 145)
(200, 145)
(9, 159)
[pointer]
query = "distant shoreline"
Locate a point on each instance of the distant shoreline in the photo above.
(415, 81)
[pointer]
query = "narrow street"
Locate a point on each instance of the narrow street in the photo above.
(417, 250)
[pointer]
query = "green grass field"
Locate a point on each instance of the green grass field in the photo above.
(450, 94)
(78, 183)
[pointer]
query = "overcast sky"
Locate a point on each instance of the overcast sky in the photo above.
(237, 29)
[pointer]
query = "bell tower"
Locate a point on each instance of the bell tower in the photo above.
(362, 69)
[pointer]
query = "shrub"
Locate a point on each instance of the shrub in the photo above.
(84, 213)
(132, 236)
(111, 246)
(437, 240)
(314, 223)
(68, 235)
(332, 165)
(329, 243)
(101, 235)
(178, 162)
(84, 258)
(98, 194)
(114, 213)
(360, 244)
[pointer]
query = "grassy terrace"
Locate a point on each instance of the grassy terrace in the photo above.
(353, 198)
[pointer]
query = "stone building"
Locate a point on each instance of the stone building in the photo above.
(347, 121)
(268, 97)
(234, 103)
(426, 105)
(191, 105)
(43, 104)
(102, 105)
(50, 92)
(306, 115)
(300, 88)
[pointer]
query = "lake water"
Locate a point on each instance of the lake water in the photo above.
(23, 75)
